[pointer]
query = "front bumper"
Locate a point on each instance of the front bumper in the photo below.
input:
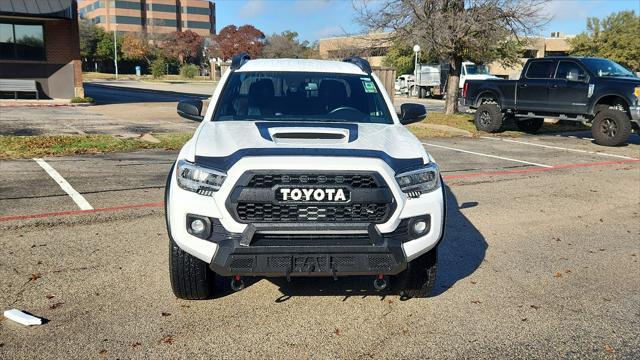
(283, 254)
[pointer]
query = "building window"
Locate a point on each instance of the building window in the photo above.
(161, 7)
(126, 5)
(196, 10)
(98, 20)
(129, 20)
(198, 25)
(162, 22)
(90, 7)
(22, 41)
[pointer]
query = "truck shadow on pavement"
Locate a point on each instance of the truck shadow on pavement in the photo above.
(460, 253)
(633, 139)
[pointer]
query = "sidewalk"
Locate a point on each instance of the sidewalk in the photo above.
(37, 103)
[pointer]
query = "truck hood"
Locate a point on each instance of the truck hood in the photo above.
(621, 80)
(224, 140)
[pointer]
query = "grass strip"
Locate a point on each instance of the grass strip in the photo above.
(18, 147)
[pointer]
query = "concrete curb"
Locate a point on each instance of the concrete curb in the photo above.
(19, 105)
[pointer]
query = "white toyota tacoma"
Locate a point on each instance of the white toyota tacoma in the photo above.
(303, 168)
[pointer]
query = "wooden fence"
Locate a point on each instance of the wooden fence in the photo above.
(388, 77)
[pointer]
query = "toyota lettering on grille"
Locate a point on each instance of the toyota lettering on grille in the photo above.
(314, 194)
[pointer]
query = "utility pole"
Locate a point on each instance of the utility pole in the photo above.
(115, 50)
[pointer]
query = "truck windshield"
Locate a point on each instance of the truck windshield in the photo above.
(476, 69)
(301, 96)
(604, 67)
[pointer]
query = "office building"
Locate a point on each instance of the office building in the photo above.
(151, 16)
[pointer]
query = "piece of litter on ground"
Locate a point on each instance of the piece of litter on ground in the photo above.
(149, 138)
(22, 318)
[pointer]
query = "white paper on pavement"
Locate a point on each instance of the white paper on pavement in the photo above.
(22, 318)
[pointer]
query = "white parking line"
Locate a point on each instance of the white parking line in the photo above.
(64, 185)
(490, 156)
(559, 148)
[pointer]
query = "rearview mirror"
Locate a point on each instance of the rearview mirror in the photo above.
(412, 113)
(190, 109)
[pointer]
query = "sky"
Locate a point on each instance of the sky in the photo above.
(316, 19)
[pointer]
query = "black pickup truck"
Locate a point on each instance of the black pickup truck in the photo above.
(590, 90)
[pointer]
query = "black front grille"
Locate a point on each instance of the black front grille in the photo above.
(241, 263)
(261, 212)
(358, 181)
(369, 207)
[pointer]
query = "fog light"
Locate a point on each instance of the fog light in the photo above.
(198, 226)
(418, 227)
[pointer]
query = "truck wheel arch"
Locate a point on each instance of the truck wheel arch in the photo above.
(609, 99)
(487, 95)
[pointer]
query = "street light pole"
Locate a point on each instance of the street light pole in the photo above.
(416, 50)
(115, 50)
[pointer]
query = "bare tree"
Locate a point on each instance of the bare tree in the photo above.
(457, 30)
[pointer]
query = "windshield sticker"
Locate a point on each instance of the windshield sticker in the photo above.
(369, 87)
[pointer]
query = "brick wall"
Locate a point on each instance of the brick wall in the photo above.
(62, 42)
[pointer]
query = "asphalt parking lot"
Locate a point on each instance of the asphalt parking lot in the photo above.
(540, 260)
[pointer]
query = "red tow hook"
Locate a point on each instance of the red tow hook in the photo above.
(237, 283)
(380, 283)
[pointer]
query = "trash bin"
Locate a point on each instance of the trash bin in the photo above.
(138, 70)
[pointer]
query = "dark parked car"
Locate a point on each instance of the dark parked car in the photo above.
(591, 90)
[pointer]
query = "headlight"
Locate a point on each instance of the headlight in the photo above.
(419, 181)
(636, 91)
(198, 179)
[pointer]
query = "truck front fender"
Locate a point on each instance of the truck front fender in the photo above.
(600, 98)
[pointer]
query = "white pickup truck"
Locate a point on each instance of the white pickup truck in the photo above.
(432, 78)
(303, 168)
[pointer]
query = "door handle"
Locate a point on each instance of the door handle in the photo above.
(554, 86)
(524, 85)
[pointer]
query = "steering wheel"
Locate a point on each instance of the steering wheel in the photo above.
(343, 108)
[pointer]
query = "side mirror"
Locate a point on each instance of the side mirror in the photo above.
(412, 113)
(190, 109)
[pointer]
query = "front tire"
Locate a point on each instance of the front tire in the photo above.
(611, 127)
(191, 278)
(530, 126)
(488, 118)
(419, 279)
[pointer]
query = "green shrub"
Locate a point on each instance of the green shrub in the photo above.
(189, 71)
(82, 100)
(158, 68)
